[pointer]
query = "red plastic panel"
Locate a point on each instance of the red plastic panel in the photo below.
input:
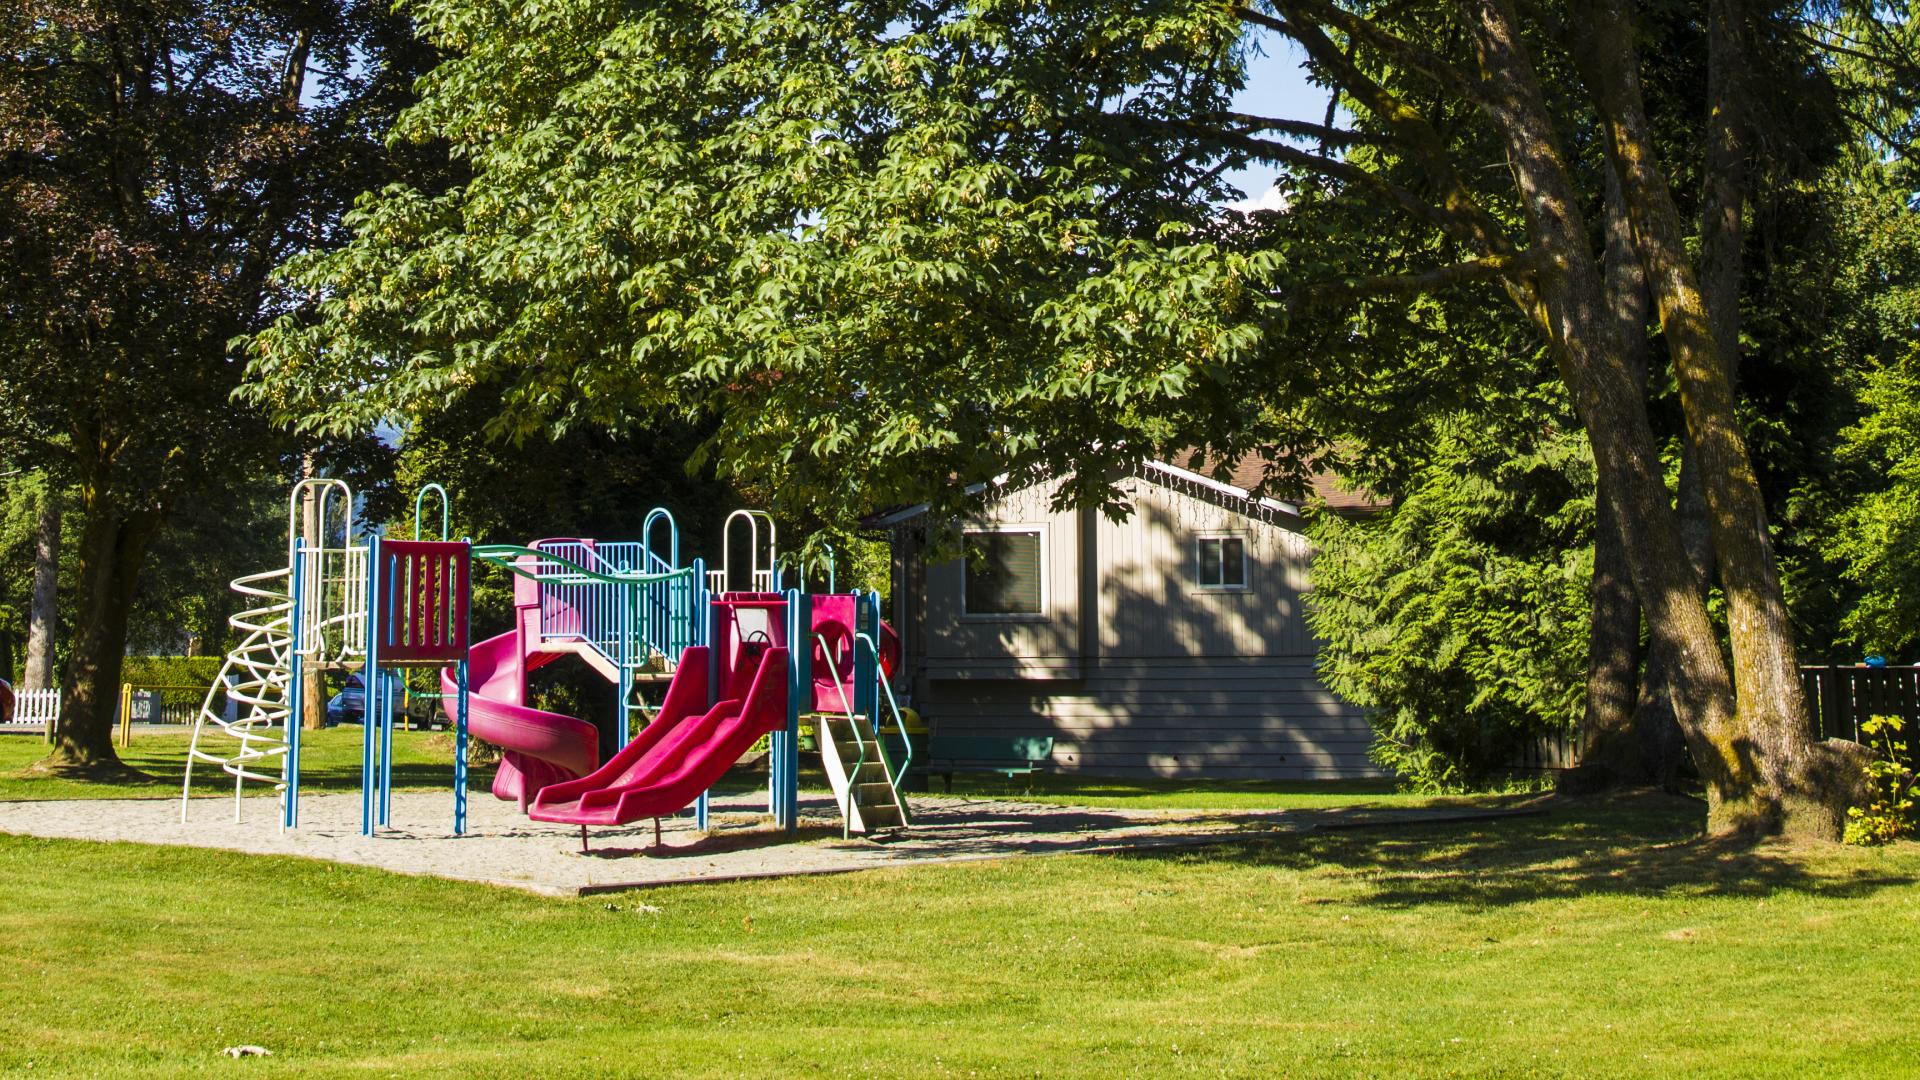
(422, 606)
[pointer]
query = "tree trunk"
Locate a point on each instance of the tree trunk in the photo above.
(43, 611)
(1569, 304)
(1785, 783)
(113, 543)
(1610, 751)
(313, 691)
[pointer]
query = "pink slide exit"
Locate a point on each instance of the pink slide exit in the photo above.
(541, 747)
(683, 752)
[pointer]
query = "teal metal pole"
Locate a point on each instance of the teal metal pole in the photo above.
(290, 809)
(369, 677)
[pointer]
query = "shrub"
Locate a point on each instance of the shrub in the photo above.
(1458, 618)
(1888, 813)
(183, 679)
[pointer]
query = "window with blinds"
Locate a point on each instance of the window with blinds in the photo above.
(1003, 574)
(1222, 562)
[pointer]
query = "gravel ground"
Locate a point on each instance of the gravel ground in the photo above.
(503, 848)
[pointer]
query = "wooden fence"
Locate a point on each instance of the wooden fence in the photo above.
(1841, 696)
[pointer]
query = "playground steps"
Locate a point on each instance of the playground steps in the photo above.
(863, 789)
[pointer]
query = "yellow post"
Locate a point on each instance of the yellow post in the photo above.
(126, 715)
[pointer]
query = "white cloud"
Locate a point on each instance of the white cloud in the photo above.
(1272, 199)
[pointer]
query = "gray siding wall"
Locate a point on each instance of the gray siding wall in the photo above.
(1166, 679)
(961, 646)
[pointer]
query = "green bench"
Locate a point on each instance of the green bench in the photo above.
(1008, 755)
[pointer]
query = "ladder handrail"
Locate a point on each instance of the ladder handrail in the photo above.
(446, 506)
(673, 537)
(839, 687)
(507, 556)
(893, 706)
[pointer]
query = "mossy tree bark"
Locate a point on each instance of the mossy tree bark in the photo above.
(1779, 780)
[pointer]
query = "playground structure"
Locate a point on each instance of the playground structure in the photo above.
(739, 667)
(346, 599)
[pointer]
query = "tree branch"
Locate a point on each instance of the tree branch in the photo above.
(1500, 267)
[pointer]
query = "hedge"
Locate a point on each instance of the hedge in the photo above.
(185, 678)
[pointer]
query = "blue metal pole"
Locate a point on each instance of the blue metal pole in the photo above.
(460, 714)
(368, 679)
(800, 658)
(866, 664)
(386, 747)
(290, 807)
(626, 664)
(460, 754)
(701, 805)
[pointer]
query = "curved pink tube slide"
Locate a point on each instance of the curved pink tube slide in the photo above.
(542, 748)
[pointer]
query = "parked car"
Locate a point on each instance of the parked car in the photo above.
(349, 706)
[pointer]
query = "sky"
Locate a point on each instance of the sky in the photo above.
(1276, 86)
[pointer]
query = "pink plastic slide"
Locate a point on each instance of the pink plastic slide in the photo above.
(542, 748)
(683, 752)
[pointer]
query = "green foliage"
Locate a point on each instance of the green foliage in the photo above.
(1876, 536)
(893, 246)
(1458, 617)
(1888, 813)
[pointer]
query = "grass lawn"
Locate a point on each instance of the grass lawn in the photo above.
(1066, 789)
(1604, 939)
(329, 761)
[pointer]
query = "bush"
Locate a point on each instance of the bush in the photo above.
(1458, 618)
(183, 679)
(1888, 814)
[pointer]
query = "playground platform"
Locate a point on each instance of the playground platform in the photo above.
(505, 849)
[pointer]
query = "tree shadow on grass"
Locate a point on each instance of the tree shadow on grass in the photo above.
(1633, 845)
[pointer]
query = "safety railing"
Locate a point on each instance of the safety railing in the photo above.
(853, 725)
(623, 614)
(898, 770)
(333, 611)
(659, 602)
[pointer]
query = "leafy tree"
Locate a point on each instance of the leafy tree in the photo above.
(155, 164)
(910, 243)
(1458, 616)
(1876, 537)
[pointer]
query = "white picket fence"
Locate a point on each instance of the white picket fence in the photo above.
(36, 708)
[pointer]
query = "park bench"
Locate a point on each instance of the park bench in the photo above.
(1008, 755)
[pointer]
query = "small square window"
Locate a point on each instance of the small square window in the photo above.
(1004, 573)
(1222, 562)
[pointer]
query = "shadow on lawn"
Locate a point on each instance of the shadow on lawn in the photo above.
(1633, 845)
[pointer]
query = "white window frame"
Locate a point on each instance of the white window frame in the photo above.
(1246, 561)
(1046, 576)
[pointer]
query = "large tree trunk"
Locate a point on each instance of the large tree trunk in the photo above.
(43, 611)
(113, 543)
(1611, 752)
(1570, 306)
(1785, 784)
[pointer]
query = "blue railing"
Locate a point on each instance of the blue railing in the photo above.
(622, 612)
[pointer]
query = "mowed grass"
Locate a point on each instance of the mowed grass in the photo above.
(329, 761)
(1604, 939)
(1068, 789)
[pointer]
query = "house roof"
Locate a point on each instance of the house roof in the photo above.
(1329, 487)
(1246, 476)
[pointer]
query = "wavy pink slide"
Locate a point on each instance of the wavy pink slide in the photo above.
(680, 754)
(542, 748)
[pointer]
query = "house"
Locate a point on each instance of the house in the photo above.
(1172, 644)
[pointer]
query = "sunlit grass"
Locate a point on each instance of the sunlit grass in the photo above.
(1603, 940)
